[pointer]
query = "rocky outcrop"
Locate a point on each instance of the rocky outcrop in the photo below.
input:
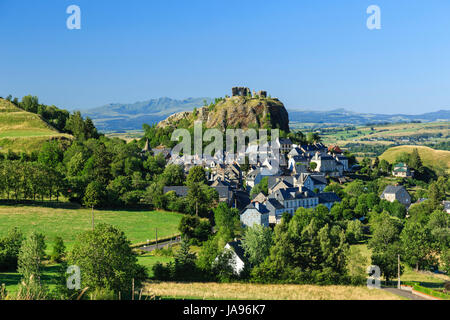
(239, 111)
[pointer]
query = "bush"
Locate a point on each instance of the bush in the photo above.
(106, 260)
(9, 250)
(59, 250)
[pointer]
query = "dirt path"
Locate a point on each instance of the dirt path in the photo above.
(404, 294)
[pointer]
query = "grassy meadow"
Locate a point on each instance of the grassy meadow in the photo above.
(247, 291)
(68, 223)
(22, 131)
(439, 159)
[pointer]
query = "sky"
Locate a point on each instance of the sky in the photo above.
(314, 55)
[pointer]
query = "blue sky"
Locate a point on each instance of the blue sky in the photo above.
(311, 54)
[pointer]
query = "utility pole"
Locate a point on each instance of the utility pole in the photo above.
(92, 218)
(398, 284)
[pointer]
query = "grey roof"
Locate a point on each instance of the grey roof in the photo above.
(262, 208)
(393, 189)
(326, 197)
(181, 191)
(237, 248)
(165, 152)
(319, 179)
(285, 141)
(272, 180)
(446, 205)
(271, 202)
(223, 191)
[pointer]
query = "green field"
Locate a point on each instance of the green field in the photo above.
(68, 223)
(22, 131)
(437, 159)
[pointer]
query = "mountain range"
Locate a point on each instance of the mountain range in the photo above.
(122, 116)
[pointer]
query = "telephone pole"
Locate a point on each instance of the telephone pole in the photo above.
(398, 262)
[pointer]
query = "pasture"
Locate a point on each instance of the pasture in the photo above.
(248, 291)
(68, 223)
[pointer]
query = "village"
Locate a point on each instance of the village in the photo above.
(296, 176)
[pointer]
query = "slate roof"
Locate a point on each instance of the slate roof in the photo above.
(181, 191)
(272, 180)
(446, 205)
(223, 191)
(262, 208)
(326, 197)
(237, 248)
(319, 179)
(393, 189)
(274, 203)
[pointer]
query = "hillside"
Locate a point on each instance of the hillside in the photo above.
(22, 131)
(120, 116)
(438, 159)
(235, 112)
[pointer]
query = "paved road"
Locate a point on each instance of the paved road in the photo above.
(403, 293)
(159, 245)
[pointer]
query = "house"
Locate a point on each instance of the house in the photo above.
(280, 182)
(293, 198)
(165, 152)
(225, 193)
(255, 214)
(285, 145)
(327, 164)
(276, 210)
(312, 181)
(238, 259)
(342, 159)
(402, 170)
(328, 199)
(446, 206)
(392, 193)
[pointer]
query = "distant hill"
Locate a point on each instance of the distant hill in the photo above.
(342, 116)
(22, 131)
(437, 159)
(119, 116)
(123, 117)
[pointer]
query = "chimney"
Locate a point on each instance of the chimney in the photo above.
(256, 204)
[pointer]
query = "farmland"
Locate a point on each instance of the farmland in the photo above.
(68, 223)
(22, 131)
(247, 291)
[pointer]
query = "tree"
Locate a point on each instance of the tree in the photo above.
(59, 250)
(196, 174)
(257, 242)
(30, 258)
(228, 224)
(9, 250)
(184, 262)
(387, 260)
(262, 186)
(173, 175)
(354, 232)
(415, 162)
(93, 197)
(417, 245)
(106, 259)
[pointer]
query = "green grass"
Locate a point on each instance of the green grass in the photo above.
(438, 159)
(22, 131)
(68, 223)
(12, 279)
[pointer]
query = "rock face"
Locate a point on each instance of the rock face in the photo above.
(240, 111)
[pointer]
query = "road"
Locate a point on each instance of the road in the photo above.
(404, 294)
(160, 245)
